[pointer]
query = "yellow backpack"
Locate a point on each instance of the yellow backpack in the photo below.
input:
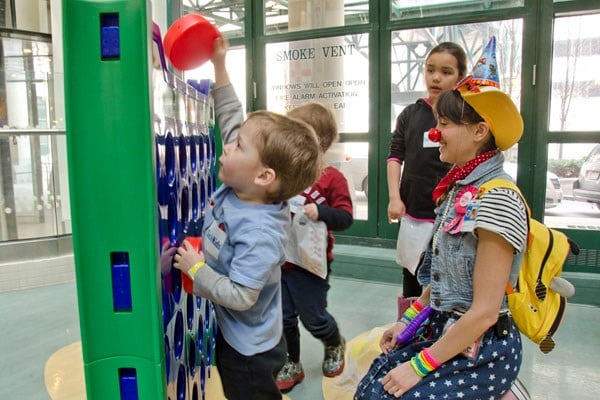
(538, 301)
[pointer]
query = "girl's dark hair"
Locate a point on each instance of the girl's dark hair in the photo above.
(453, 107)
(456, 51)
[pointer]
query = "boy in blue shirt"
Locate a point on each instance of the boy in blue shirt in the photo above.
(267, 159)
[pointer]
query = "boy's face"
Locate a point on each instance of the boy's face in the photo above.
(240, 162)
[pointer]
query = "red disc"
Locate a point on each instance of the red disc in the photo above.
(196, 242)
(189, 42)
(188, 283)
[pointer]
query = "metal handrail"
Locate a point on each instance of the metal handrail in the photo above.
(35, 131)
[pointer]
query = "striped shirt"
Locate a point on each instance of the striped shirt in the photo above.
(502, 211)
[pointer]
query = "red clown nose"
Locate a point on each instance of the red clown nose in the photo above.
(434, 135)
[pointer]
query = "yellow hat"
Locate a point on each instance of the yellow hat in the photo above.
(481, 90)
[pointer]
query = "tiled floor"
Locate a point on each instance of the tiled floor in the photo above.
(37, 322)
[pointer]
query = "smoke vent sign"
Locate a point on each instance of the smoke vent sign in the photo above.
(332, 71)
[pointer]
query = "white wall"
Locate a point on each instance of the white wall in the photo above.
(32, 15)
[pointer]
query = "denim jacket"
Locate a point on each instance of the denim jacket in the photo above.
(449, 269)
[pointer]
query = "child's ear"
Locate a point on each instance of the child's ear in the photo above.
(266, 177)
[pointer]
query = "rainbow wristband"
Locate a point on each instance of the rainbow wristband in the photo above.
(423, 363)
(412, 311)
(192, 271)
(418, 368)
(429, 358)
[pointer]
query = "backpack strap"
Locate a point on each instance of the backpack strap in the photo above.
(499, 182)
(505, 183)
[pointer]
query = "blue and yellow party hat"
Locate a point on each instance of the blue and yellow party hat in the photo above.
(481, 90)
(485, 71)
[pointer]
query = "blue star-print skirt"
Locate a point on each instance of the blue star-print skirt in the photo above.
(487, 377)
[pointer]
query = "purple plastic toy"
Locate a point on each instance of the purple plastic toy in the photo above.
(413, 326)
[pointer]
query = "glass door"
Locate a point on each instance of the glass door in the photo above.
(572, 201)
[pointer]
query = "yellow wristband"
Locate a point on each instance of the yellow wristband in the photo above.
(192, 271)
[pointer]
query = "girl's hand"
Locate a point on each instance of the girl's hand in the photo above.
(388, 339)
(400, 380)
(186, 257)
(311, 211)
(396, 210)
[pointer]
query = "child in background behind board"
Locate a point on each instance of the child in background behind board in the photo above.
(267, 159)
(413, 164)
(305, 293)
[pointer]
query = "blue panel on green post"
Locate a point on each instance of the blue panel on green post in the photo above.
(109, 36)
(121, 281)
(128, 383)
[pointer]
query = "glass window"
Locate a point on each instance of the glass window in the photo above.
(33, 187)
(6, 14)
(227, 15)
(236, 57)
(410, 48)
(573, 186)
(407, 9)
(298, 15)
(27, 72)
(34, 199)
(352, 159)
(26, 15)
(575, 63)
(33, 15)
(333, 71)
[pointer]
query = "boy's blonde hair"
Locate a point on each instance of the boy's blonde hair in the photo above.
(322, 119)
(290, 147)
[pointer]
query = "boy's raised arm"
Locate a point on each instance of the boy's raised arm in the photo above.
(228, 108)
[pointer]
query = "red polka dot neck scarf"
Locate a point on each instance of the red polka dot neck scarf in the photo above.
(457, 173)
